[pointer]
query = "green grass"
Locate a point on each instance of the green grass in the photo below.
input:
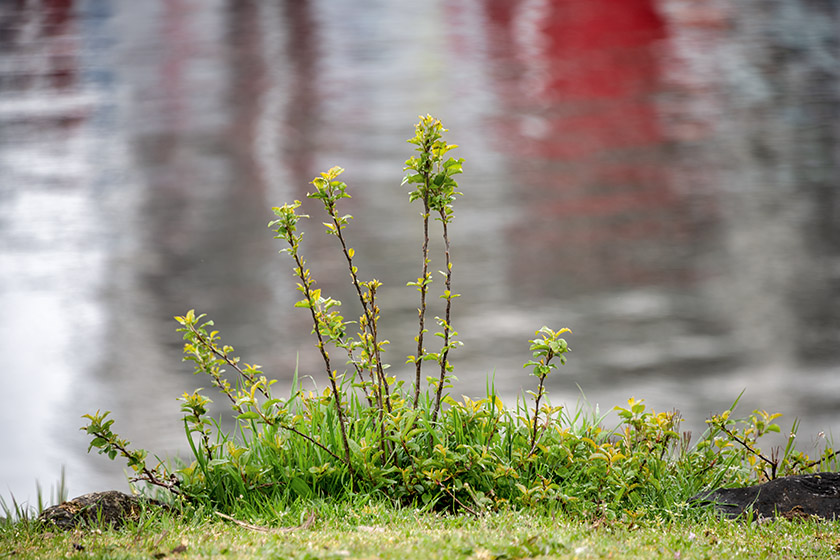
(382, 531)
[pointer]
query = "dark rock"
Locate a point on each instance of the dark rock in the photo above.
(792, 497)
(109, 508)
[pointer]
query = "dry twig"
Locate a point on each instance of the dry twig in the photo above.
(262, 529)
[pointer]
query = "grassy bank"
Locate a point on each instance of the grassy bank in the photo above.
(359, 430)
(363, 463)
(380, 531)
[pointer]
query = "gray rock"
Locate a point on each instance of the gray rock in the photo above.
(799, 496)
(109, 508)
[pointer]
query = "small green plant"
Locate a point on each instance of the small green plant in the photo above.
(740, 438)
(545, 349)
(370, 433)
(19, 512)
(107, 442)
(435, 186)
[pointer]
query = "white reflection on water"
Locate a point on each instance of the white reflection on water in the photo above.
(669, 193)
(51, 324)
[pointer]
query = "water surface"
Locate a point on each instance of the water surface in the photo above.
(659, 176)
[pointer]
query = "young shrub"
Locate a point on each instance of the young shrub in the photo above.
(367, 434)
(435, 186)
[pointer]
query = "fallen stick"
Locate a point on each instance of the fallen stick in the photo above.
(262, 529)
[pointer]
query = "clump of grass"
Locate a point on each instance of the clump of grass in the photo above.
(13, 511)
(369, 434)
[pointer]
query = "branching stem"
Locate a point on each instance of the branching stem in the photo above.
(773, 464)
(307, 292)
(368, 309)
(146, 474)
(421, 311)
(444, 363)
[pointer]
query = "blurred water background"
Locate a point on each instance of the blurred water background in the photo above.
(661, 176)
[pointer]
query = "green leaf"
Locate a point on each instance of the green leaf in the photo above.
(300, 487)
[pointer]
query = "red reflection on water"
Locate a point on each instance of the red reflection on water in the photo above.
(57, 21)
(603, 35)
(579, 81)
(55, 45)
(301, 118)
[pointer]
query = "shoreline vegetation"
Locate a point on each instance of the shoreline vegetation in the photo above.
(393, 466)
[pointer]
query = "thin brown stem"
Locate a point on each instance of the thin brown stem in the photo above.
(229, 361)
(307, 292)
(263, 417)
(457, 501)
(367, 307)
(540, 391)
(748, 447)
(813, 464)
(262, 529)
(447, 314)
(146, 474)
(374, 334)
(418, 364)
(312, 441)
